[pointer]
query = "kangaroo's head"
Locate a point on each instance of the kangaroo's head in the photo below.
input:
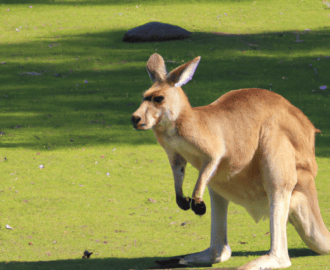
(164, 101)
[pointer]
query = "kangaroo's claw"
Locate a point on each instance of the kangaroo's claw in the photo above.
(183, 202)
(199, 208)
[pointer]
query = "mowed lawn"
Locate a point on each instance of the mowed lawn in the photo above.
(74, 174)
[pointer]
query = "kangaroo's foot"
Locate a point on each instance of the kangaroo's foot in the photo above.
(204, 258)
(267, 262)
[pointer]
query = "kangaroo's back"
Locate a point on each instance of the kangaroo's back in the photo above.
(246, 112)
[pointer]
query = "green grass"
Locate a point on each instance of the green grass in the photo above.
(81, 131)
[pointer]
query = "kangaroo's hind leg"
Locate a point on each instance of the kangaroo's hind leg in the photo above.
(305, 214)
(278, 170)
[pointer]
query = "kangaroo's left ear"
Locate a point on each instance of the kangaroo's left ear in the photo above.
(184, 73)
(156, 68)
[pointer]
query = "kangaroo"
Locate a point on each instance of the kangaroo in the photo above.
(251, 147)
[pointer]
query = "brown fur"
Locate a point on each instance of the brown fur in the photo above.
(251, 146)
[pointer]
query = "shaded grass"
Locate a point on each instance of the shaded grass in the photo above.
(124, 263)
(80, 131)
(64, 102)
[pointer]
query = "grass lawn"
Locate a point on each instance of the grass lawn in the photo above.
(105, 187)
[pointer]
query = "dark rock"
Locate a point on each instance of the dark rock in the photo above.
(155, 31)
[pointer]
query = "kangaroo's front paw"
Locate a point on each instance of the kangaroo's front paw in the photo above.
(183, 202)
(198, 208)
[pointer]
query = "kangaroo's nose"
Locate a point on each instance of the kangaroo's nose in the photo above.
(135, 120)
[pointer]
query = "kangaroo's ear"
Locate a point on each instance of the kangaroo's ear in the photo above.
(182, 74)
(156, 68)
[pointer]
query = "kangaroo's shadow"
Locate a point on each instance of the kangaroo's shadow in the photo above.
(132, 263)
(173, 262)
(293, 253)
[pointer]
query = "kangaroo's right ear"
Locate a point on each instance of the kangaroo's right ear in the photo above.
(183, 74)
(156, 68)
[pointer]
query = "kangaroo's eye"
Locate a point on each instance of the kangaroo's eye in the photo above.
(148, 98)
(158, 99)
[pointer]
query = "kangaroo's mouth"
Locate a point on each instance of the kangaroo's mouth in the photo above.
(140, 127)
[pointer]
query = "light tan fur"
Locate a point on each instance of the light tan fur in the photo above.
(251, 147)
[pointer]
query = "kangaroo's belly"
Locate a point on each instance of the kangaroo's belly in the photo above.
(245, 189)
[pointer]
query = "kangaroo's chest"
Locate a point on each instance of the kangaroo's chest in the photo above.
(187, 150)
